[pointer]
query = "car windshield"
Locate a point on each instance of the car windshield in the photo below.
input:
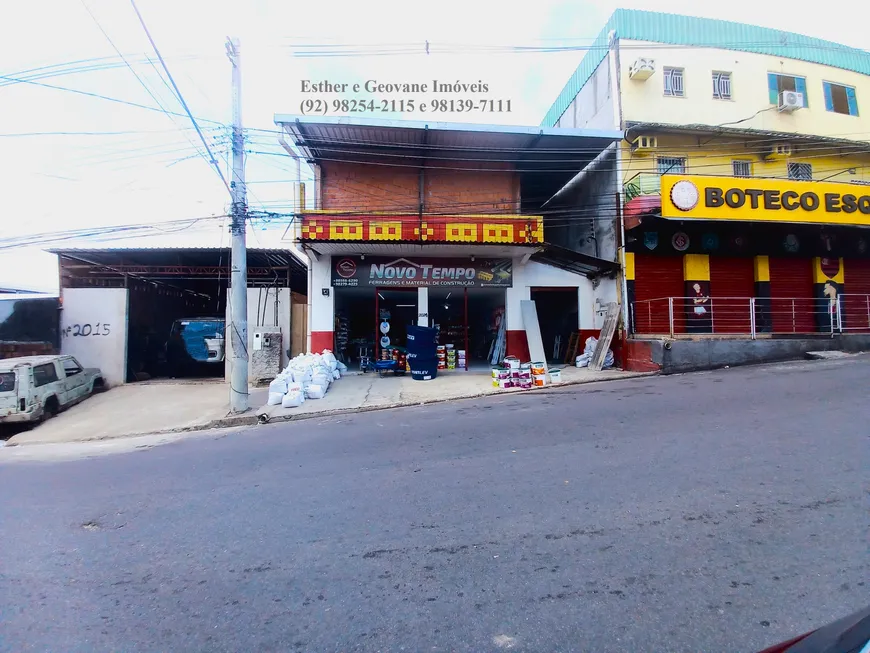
(7, 381)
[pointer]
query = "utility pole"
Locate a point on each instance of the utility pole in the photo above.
(239, 274)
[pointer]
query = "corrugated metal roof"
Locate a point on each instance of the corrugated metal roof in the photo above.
(633, 128)
(673, 29)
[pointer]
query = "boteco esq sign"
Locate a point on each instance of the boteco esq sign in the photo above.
(383, 272)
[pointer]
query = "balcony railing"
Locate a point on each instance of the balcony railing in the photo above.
(751, 316)
(643, 183)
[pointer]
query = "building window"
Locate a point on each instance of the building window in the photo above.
(800, 171)
(840, 99)
(673, 81)
(776, 84)
(672, 165)
(722, 86)
(741, 168)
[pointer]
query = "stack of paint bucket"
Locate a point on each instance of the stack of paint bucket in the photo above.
(501, 378)
(460, 359)
(524, 379)
(539, 374)
(451, 357)
(441, 352)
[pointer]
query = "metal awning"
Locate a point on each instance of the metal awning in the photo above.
(415, 248)
(634, 129)
(193, 263)
(544, 158)
(568, 259)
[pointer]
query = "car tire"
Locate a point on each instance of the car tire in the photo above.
(52, 408)
(99, 386)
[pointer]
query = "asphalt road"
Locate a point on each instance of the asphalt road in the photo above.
(710, 512)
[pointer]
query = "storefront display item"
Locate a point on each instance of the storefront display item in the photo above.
(555, 376)
(540, 380)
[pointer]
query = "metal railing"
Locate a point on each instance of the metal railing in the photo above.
(736, 316)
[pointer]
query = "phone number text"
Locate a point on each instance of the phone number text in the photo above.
(323, 107)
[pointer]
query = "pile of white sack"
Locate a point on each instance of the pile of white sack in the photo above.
(307, 376)
(584, 358)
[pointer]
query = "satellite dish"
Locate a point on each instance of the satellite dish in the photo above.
(385, 327)
(385, 341)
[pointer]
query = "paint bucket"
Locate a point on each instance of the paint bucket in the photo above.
(540, 380)
(504, 374)
(539, 368)
(504, 384)
(555, 376)
(512, 362)
(526, 367)
(495, 372)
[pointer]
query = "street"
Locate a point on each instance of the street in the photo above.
(721, 511)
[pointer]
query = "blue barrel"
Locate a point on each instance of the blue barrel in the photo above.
(422, 342)
(424, 369)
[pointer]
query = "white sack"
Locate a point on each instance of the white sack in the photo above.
(292, 400)
(315, 391)
(278, 386)
(275, 398)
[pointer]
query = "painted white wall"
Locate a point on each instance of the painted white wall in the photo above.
(257, 299)
(322, 308)
(93, 325)
(593, 107)
(590, 297)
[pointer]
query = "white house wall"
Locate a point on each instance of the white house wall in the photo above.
(257, 297)
(93, 325)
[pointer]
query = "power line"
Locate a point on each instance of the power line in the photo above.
(213, 161)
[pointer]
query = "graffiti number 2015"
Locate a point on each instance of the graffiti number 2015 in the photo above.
(87, 330)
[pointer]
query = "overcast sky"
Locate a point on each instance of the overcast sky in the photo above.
(139, 166)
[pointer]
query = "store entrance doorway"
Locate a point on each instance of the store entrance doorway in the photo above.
(558, 317)
(395, 311)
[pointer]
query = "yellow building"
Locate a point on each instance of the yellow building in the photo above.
(744, 173)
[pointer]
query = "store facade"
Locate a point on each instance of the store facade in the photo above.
(749, 256)
(439, 225)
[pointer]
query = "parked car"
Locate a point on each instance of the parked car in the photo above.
(850, 634)
(194, 344)
(35, 388)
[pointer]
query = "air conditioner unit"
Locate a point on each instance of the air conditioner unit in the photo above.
(643, 144)
(791, 101)
(642, 69)
(782, 150)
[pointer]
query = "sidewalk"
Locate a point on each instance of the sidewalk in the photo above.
(164, 407)
(356, 392)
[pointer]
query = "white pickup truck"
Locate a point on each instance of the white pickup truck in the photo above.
(35, 388)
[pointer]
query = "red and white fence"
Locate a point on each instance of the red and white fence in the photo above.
(750, 316)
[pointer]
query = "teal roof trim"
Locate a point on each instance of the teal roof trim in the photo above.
(637, 25)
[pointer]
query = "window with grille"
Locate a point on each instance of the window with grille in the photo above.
(741, 168)
(673, 81)
(776, 84)
(671, 164)
(800, 171)
(840, 99)
(722, 86)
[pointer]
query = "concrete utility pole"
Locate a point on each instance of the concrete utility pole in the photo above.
(239, 275)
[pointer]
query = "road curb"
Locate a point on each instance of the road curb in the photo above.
(265, 419)
(252, 418)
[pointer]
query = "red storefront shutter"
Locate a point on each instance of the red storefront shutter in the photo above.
(655, 279)
(732, 283)
(857, 295)
(791, 293)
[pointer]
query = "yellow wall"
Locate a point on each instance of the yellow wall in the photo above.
(709, 154)
(645, 101)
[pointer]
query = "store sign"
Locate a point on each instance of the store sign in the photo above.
(770, 200)
(355, 271)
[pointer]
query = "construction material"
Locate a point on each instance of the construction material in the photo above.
(533, 330)
(571, 348)
(498, 346)
(555, 376)
(604, 339)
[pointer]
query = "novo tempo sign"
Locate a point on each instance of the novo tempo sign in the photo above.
(383, 272)
(770, 200)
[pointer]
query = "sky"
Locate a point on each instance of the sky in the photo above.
(72, 161)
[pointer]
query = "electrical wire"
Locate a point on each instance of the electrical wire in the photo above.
(213, 161)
